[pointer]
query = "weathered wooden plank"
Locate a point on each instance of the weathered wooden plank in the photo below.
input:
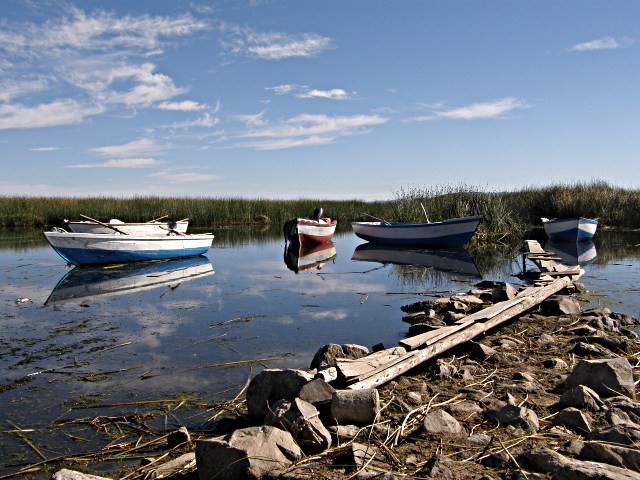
(428, 338)
(412, 359)
(351, 368)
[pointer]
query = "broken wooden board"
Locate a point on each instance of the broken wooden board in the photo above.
(404, 363)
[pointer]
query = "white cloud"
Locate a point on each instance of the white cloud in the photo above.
(307, 129)
(45, 149)
(142, 146)
(273, 45)
(205, 121)
(184, 106)
(150, 88)
(98, 31)
(302, 91)
(476, 111)
(290, 143)
(59, 112)
(10, 89)
(604, 43)
(100, 54)
(123, 163)
(256, 120)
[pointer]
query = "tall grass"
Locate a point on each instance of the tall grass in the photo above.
(505, 214)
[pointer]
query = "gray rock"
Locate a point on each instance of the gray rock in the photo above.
(555, 364)
(66, 474)
(177, 466)
(465, 410)
(440, 422)
(301, 420)
(249, 453)
(581, 397)
(503, 292)
(328, 354)
(574, 419)
(272, 385)
(608, 377)
(480, 351)
(561, 467)
(560, 305)
(355, 406)
(179, 436)
(606, 453)
(589, 350)
(317, 392)
(516, 416)
(628, 435)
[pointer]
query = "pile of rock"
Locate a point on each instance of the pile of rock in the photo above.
(550, 395)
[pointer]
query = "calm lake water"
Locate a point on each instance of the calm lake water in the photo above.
(76, 342)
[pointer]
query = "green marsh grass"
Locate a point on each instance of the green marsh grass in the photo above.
(505, 215)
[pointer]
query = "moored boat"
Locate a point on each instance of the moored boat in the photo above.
(317, 229)
(97, 248)
(575, 229)
(447, 233)
(113, 225)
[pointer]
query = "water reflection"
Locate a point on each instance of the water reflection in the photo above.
(456, 262)
(300, 258)
(574, 253)
(89, 282)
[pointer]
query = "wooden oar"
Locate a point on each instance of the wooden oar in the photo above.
(104, 224)
(376, 218)
(156, 219)
(425, 213)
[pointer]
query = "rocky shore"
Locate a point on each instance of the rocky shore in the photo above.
(550, 394)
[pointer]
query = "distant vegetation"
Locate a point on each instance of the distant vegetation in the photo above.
(506, 214)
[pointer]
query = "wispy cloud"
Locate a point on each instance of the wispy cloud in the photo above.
(46, 149)
(247, 42)
(184, 106)
(307, 129)
(123, 163)
(142, 146)
(604, 43)
(59, 112)
(97, 31)
(302, 91)
(476, 111)
(255, 120)
(90, 60)
(13, 88)
(205, 121)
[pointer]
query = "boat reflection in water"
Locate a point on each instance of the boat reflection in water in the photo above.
(574, 253)
(106, 280)
(452, 261)
(300, 258)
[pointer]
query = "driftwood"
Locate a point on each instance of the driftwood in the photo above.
(365, 373)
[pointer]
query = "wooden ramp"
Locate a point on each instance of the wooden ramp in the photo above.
(381, 367)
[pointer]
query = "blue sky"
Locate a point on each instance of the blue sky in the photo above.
(316, 99)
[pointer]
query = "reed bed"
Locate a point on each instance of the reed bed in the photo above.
(505, 214)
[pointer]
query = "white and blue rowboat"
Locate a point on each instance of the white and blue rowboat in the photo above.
(570, 229)
(97, 248)
(448, 233)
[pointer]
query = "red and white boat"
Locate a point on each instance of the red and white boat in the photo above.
(318, 229)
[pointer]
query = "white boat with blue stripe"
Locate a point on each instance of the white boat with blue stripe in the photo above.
(447, 233)
(98, 248)
(570, 229)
